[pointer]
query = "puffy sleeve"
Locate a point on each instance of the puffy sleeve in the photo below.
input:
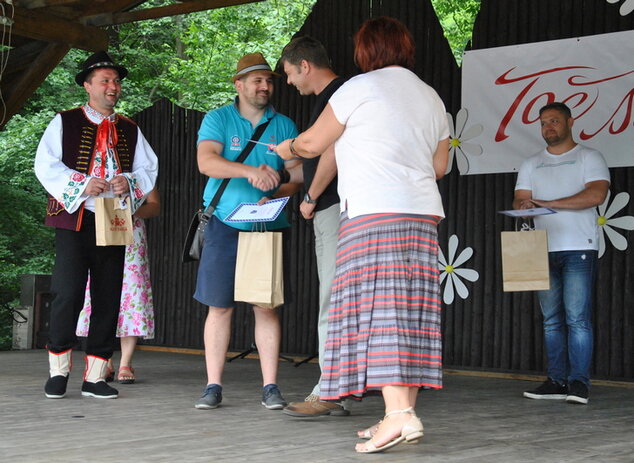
(64, 184)
(142, 179)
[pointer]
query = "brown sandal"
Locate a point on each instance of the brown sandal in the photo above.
(126, 375)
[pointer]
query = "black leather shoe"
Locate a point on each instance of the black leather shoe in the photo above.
(99, 390)
(55, 387)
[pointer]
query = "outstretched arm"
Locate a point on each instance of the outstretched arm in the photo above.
(315, 140)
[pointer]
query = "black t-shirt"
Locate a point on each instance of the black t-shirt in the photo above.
(329, 196)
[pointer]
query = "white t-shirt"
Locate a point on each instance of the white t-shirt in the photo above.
(394, 122)
(551, 176)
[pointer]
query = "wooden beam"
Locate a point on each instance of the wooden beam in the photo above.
(163, 11)
(111, 6)
(23, 87)
(29, 4)
(20, 58)
(39, 25)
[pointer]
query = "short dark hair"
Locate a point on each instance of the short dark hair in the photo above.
(561, 107)
(305, 48)
(382, 42)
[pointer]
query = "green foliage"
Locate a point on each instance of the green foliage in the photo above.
(26, 246)
(187, 59)
(193, 66)
(457, 18)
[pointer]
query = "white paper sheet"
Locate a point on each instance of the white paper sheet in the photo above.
(529, 212)
(253, 212)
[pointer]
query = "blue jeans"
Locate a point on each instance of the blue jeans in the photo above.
(567, 310)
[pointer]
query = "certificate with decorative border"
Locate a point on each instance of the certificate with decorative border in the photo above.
(254, 212)
(529, 212)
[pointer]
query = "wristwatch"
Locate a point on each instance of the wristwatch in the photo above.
(308, 199)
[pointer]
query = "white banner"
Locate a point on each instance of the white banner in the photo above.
(503, 89)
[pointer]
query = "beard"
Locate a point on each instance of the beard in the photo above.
(260, 100)
(552, 138)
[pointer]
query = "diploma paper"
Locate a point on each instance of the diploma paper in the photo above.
(529, 212)
(252, 212)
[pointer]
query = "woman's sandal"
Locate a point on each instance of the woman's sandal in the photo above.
(126, 375)
(411, 432)
(369, 432)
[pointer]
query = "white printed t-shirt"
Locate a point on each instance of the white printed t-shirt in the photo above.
(555, 176)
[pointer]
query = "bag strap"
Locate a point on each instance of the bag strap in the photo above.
(243, 155)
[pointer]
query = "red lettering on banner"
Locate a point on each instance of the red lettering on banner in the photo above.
(625, 103)
(582, 101)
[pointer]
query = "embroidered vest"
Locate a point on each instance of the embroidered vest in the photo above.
(78, 145)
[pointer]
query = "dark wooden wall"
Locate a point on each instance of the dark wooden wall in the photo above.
(488, 330)
(172, 132)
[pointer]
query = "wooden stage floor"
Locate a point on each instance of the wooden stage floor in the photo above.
(475, 418)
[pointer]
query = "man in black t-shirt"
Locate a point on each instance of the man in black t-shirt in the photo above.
(307, 67)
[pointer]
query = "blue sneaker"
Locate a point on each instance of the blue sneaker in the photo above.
(211, 398)
(272, 397)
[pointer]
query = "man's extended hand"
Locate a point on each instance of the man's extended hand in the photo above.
(264, 178)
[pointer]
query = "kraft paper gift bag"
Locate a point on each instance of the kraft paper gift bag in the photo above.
(113, 221)
(525, 261)
(259, 277)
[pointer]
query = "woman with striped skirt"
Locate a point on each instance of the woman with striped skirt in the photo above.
(391, 145)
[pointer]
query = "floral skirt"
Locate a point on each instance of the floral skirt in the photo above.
(136, 316)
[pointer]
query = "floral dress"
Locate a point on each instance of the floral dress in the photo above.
(136, 316)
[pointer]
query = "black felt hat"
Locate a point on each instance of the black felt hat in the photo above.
(98, 60)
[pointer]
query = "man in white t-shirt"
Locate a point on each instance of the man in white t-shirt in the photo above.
(573, 180)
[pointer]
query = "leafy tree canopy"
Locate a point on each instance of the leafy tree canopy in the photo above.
(457, 18)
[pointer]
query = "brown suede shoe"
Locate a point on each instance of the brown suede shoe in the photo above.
(312, 406)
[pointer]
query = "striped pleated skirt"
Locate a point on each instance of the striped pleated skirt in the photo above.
(384, 318)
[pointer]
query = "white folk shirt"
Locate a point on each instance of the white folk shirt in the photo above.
(57, 178)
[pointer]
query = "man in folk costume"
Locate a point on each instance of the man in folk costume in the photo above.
(89, 152)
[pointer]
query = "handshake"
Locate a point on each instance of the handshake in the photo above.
(266, 178)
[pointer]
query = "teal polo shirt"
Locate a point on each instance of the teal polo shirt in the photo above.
(226, 126)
